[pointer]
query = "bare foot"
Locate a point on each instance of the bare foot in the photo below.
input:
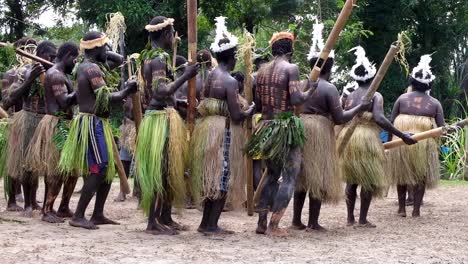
(316, 228)
(260, 230)
(298, 226)
(28, 212)
(120, 198)
(367, 224)
(51, 218)
(351, 222)
(178, 227)
(102, 220)
(409, 202)
(158, 229)
(216, 232)
(14, 208)
(416, 214)
(83, 223)
(65, 213)
(276, 232)
(401, 212)
(36, 206)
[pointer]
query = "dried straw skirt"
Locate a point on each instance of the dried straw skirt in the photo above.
(320, 175)
(362, 161)
(161, 157)
(44, 156)
(128, 139)
(418, 163)
(23, 126)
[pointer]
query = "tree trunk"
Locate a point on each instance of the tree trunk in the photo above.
(465, 176)
(17, 28)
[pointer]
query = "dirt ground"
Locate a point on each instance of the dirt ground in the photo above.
(440, 236)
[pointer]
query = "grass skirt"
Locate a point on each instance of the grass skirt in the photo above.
(43, 154)
(319, 174)
(362, 161)
(4, 132)
(419, 163)
(74, 156)
(237, 193)
(128, 138)
(161, 157)
(207, 147)
(22, 128)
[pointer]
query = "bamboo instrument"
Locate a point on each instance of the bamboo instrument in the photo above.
(433, 133)
(124, 187)
(136, 100)
(260, 186)
(370, 93)
(192, 59)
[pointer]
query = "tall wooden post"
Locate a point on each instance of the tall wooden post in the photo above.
(465, 176)
(192, 58)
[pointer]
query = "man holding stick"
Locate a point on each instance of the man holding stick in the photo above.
(89, 146)
(322, 111)
(162, 144)
(279, 137)
(363, 157)
(416, 166)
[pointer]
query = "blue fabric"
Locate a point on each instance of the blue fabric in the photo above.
(384, 136)
(97, 148)
(224, 183)
(125, 154)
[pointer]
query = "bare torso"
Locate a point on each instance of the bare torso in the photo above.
(419, 104)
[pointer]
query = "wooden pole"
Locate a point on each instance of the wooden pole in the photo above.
(30, 56)
(248, 83)
(332, 38)
(136, 100)
(433, 133)
(465, 175)
(124, 187)
(174, 52)
(192, 58)
(370, 94)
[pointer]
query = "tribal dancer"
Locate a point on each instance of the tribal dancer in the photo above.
(279, 137)
(88, 148)
(217, 138)
(416, 166)
(319, 175)
(162, 144)
(362, 160)
(50, 135)
(30, 91)
(13, 186)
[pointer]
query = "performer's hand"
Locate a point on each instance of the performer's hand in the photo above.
(192, 70)
(408, 140)
(365, 105)
(251, 109)
(132, 86)
(36, 70)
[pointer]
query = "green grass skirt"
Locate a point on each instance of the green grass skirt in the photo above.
(161, 157)
(74, 155)
(4, 125)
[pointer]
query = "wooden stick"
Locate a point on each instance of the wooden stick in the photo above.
(29, 55)
(192, 58)
(260, 186)
(248, 81)
(124, 187)
(332, 38)
(3, 113)
(136, 100)
(433, 133)
(174, 51)
(369, 95)
(465, 174)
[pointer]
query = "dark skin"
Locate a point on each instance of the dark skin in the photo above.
(89, 79)
(416, 103)
(377, 110)
(32, 103)
(155, 73)
(326, 102)
(8, 79)
(181, 94)
(279, 91)
(221, 85)
(59, 97)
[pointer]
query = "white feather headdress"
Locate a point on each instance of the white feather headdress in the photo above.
(361, 59)
(424, 67)
(317, 42)
(223, 33)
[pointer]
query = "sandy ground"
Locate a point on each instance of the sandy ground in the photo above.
(440, 236)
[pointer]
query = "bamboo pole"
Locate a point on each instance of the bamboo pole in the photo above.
(174, 51)
(136, 100)
(248, 82)
(370, 93)
(192, 58)
(433, 133)
(260, 186)
(465, 175)
(124, 187)
(332, 38)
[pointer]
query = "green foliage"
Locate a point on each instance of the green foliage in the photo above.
(7, 58)
(61, 134)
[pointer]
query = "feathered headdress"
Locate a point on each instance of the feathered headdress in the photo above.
(361, 59)
(422, 73)
(317, 42)
(223, 33)
(157, 27)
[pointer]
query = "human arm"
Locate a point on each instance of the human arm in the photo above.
(297, 96)
(439, 118)
(232, 94)
(384, 123)
(336, 110)
(159, 83)
(60, 90)
(114, 60)
(20, 88)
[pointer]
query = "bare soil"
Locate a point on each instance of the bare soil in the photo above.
(439, 236)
